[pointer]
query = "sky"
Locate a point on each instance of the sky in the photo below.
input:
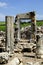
(14, 7)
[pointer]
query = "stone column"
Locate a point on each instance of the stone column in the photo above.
(33, 27)
(12, 34)
(9, 33)
(18, 26)
(7, 45)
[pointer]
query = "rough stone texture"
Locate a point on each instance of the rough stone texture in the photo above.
(33, 63)
(39, 50)
(15, 61)
(9, 33)
(33, 27)
(18, 26)
(30, 15)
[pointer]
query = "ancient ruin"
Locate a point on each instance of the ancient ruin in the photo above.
(30, 15)
(15, 48)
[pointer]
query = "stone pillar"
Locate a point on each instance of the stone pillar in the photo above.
(33, 27)
(12, 34)
(7, 45)
(9, 33)
(18, 26)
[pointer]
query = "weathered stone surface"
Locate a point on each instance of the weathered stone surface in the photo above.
(9, 33)
(39, 50)
(21, 63)
(14, 61)
(37, 63)
(33, 63)
(30, 15)
(29, 63)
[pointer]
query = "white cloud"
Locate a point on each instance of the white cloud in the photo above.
(3, 4)
(2, 17)
(39, 16)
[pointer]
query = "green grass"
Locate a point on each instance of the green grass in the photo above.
(3, 27)
(39, 23)
(25, 24)
(2, 22)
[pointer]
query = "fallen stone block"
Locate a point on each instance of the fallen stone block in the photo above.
(33, 63)
(15, 61)
(37, 63)
(29, 63)
(21, 63)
